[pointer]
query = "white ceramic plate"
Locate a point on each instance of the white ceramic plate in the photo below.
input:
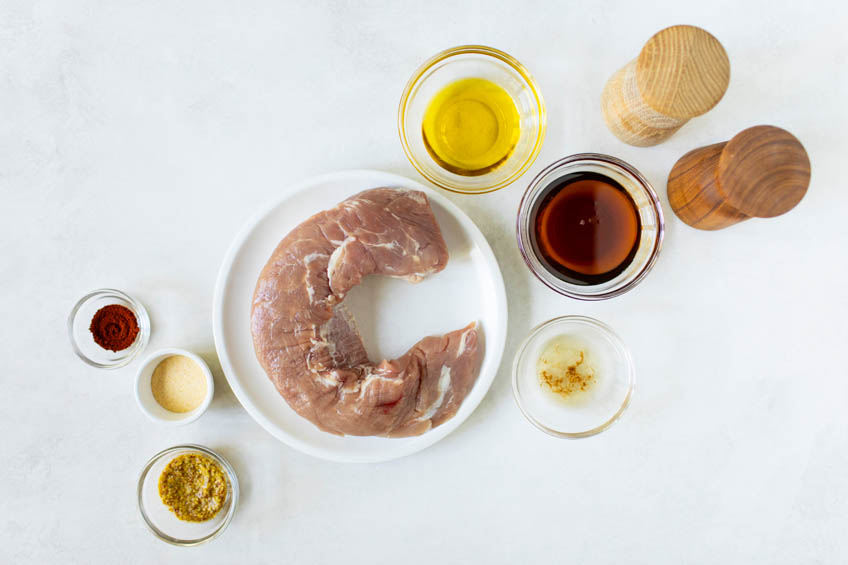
(391, 314)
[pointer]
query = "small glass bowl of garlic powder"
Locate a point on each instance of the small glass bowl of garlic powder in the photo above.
(174, 386)
(573, 377)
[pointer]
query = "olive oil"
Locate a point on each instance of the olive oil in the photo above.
(471, 127)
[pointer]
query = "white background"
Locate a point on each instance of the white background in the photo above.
(137, 137)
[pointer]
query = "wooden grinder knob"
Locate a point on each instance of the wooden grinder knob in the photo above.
(762, 172)
(681, 72)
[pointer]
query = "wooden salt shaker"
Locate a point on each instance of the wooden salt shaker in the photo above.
(762, 172)
(681, 72)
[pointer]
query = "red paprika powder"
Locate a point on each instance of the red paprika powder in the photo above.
(114, 327)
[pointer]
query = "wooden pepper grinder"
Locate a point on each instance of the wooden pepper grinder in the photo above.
(681, 72)
(762, 172)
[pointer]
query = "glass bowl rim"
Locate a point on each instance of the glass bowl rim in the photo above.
(231, 475)
(606, 330)
(143, 325)
(656, 206)
(501, 56)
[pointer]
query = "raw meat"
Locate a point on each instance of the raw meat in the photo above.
(308, 343)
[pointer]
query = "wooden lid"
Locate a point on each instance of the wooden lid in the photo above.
(682, 71)
(763, 171)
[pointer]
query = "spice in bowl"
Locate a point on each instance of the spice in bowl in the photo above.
(114, 327)
(193, 487)
(108, 328)
(174, 386)
(565, 369)
(178, 384)
(572, 377)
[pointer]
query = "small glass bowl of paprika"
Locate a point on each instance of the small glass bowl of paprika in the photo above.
(108, 328)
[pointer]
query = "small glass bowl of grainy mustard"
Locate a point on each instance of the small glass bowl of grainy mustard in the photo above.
(187, 494)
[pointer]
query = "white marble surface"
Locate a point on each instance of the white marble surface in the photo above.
(136, 139)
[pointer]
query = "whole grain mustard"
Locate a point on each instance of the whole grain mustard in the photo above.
(193, 487)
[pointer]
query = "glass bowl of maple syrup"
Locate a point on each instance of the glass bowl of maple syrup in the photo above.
(590, 226)
(471, 119)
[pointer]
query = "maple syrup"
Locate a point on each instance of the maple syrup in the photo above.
(586, 228)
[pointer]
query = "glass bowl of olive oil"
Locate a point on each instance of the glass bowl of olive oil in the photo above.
(471, 119)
